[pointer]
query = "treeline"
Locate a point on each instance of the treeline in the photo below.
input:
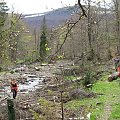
(14, 37)
(94, 37)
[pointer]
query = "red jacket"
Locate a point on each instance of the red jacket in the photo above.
(14, 86)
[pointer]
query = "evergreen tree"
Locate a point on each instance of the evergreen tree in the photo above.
(43, 44)
(3, 32)
(3, 13)
(43, 41)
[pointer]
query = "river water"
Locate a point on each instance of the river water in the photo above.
(31, 84)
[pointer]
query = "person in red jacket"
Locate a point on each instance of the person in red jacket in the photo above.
(116, 74)
(117, 63)
(14, 87)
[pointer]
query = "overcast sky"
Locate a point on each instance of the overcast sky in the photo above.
(38, 6)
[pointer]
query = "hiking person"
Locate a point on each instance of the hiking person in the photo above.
(116, 61)
(116, 74)
(14, 87)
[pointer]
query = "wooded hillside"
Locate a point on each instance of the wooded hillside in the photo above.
(62, 62)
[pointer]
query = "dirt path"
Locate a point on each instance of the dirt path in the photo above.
(107, 111)
(111, 98)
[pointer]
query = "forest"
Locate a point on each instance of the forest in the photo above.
(68, 71)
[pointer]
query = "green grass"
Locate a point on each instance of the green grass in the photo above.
(115, 112)
(3, 72)
(110, 96)
(70, 77)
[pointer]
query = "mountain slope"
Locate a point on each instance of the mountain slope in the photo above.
(53, 18)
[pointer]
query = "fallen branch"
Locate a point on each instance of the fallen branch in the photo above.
(3, 99)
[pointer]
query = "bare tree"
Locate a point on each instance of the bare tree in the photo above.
(70, 26)
(107, 31)
(117, 14)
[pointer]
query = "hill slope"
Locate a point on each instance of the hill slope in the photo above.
(53, 18)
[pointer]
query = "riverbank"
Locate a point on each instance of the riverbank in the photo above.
(53, 93)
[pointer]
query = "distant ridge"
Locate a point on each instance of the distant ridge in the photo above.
(34, 14)
(53, 18)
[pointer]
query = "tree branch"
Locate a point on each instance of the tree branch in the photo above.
(70, 26)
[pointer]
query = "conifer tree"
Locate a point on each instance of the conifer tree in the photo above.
(3, 13)
(43, 41)
(3, 32)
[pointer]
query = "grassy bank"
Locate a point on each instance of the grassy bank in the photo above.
(106, 106)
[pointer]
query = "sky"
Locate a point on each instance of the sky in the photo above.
(38, 6)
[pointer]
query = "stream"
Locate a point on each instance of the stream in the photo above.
(31, 84)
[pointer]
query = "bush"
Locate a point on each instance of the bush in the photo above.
(88, 79)
(1, 69)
